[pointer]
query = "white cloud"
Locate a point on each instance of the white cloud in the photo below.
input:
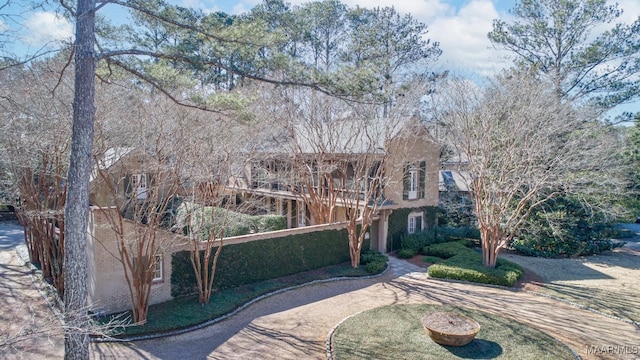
(44, 27)
(463, 39)
(631, 10)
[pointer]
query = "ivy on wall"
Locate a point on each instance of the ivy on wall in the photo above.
(261, 260)
(398, 223)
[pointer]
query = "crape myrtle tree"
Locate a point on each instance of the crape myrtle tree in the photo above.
(577, 47)
(217, 155)
(34, 160)
(524, 147)
(139, 157)
(336, 153)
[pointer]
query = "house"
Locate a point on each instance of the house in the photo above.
(389, 167)
(330, 157)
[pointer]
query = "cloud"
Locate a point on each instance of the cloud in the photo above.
(463, 39)
(45, 27)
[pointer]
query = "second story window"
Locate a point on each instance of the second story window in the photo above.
(412, 191)
(414, 181)
(139, 186)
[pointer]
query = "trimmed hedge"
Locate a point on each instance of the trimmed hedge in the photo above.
(406, 253)
(463, 263)
(234, 223)
(256, 261)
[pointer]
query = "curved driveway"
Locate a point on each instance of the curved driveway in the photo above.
(295, 324)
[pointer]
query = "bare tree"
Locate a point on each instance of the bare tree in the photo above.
(138, 172)
(332, 154)
(34, 159)
(217, 154)
(521, 147)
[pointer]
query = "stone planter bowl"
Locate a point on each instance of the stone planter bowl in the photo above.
(450, 328)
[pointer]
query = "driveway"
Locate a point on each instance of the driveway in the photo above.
(28, 329)
(295, 324)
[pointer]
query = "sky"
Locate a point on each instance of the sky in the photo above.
(460, 26)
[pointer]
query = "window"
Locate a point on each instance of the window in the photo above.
(413, 183)
(414, 222)
(301, 214)
(139, 184)
(157, 267)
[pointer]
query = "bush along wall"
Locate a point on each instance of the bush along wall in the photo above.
(398, 224)
(256, 261)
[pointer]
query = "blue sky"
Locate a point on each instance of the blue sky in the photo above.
(461, 26)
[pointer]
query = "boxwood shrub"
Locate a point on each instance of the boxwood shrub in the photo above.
(463, 263)
(406, 253)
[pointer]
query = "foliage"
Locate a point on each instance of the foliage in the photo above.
(185, 311)
(256, 261)
(463, 263)
(406, 253)
(573, 43)
(565, 226)
(419, 240)
(376, 267)
(431, 259)
(198, 219)
(398, 224)
(471, 232)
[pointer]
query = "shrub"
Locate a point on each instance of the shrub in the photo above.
(564, 226)
(463, 263)
(470, 232)
(373, 261)
(406, 253)
(431, 259)
(445, 250)
(417, 241)
(376, 267)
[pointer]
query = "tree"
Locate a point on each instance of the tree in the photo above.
(334, 154)
(138, 175)
(559, 39)
(34, 156)
(217, 153)
(524, 147)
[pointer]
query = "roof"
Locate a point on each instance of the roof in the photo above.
(341, 136)
(453, 180)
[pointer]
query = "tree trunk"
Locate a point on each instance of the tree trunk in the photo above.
(76, 341)
(489, 247)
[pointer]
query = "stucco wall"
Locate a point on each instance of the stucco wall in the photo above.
(415, 147)
(108, 290)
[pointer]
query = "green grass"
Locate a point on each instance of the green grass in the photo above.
(395, 332)
(463, 263)
(186, 311)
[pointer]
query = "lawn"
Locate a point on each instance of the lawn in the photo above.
(395, 332)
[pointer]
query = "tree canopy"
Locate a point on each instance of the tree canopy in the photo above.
(577, 46)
